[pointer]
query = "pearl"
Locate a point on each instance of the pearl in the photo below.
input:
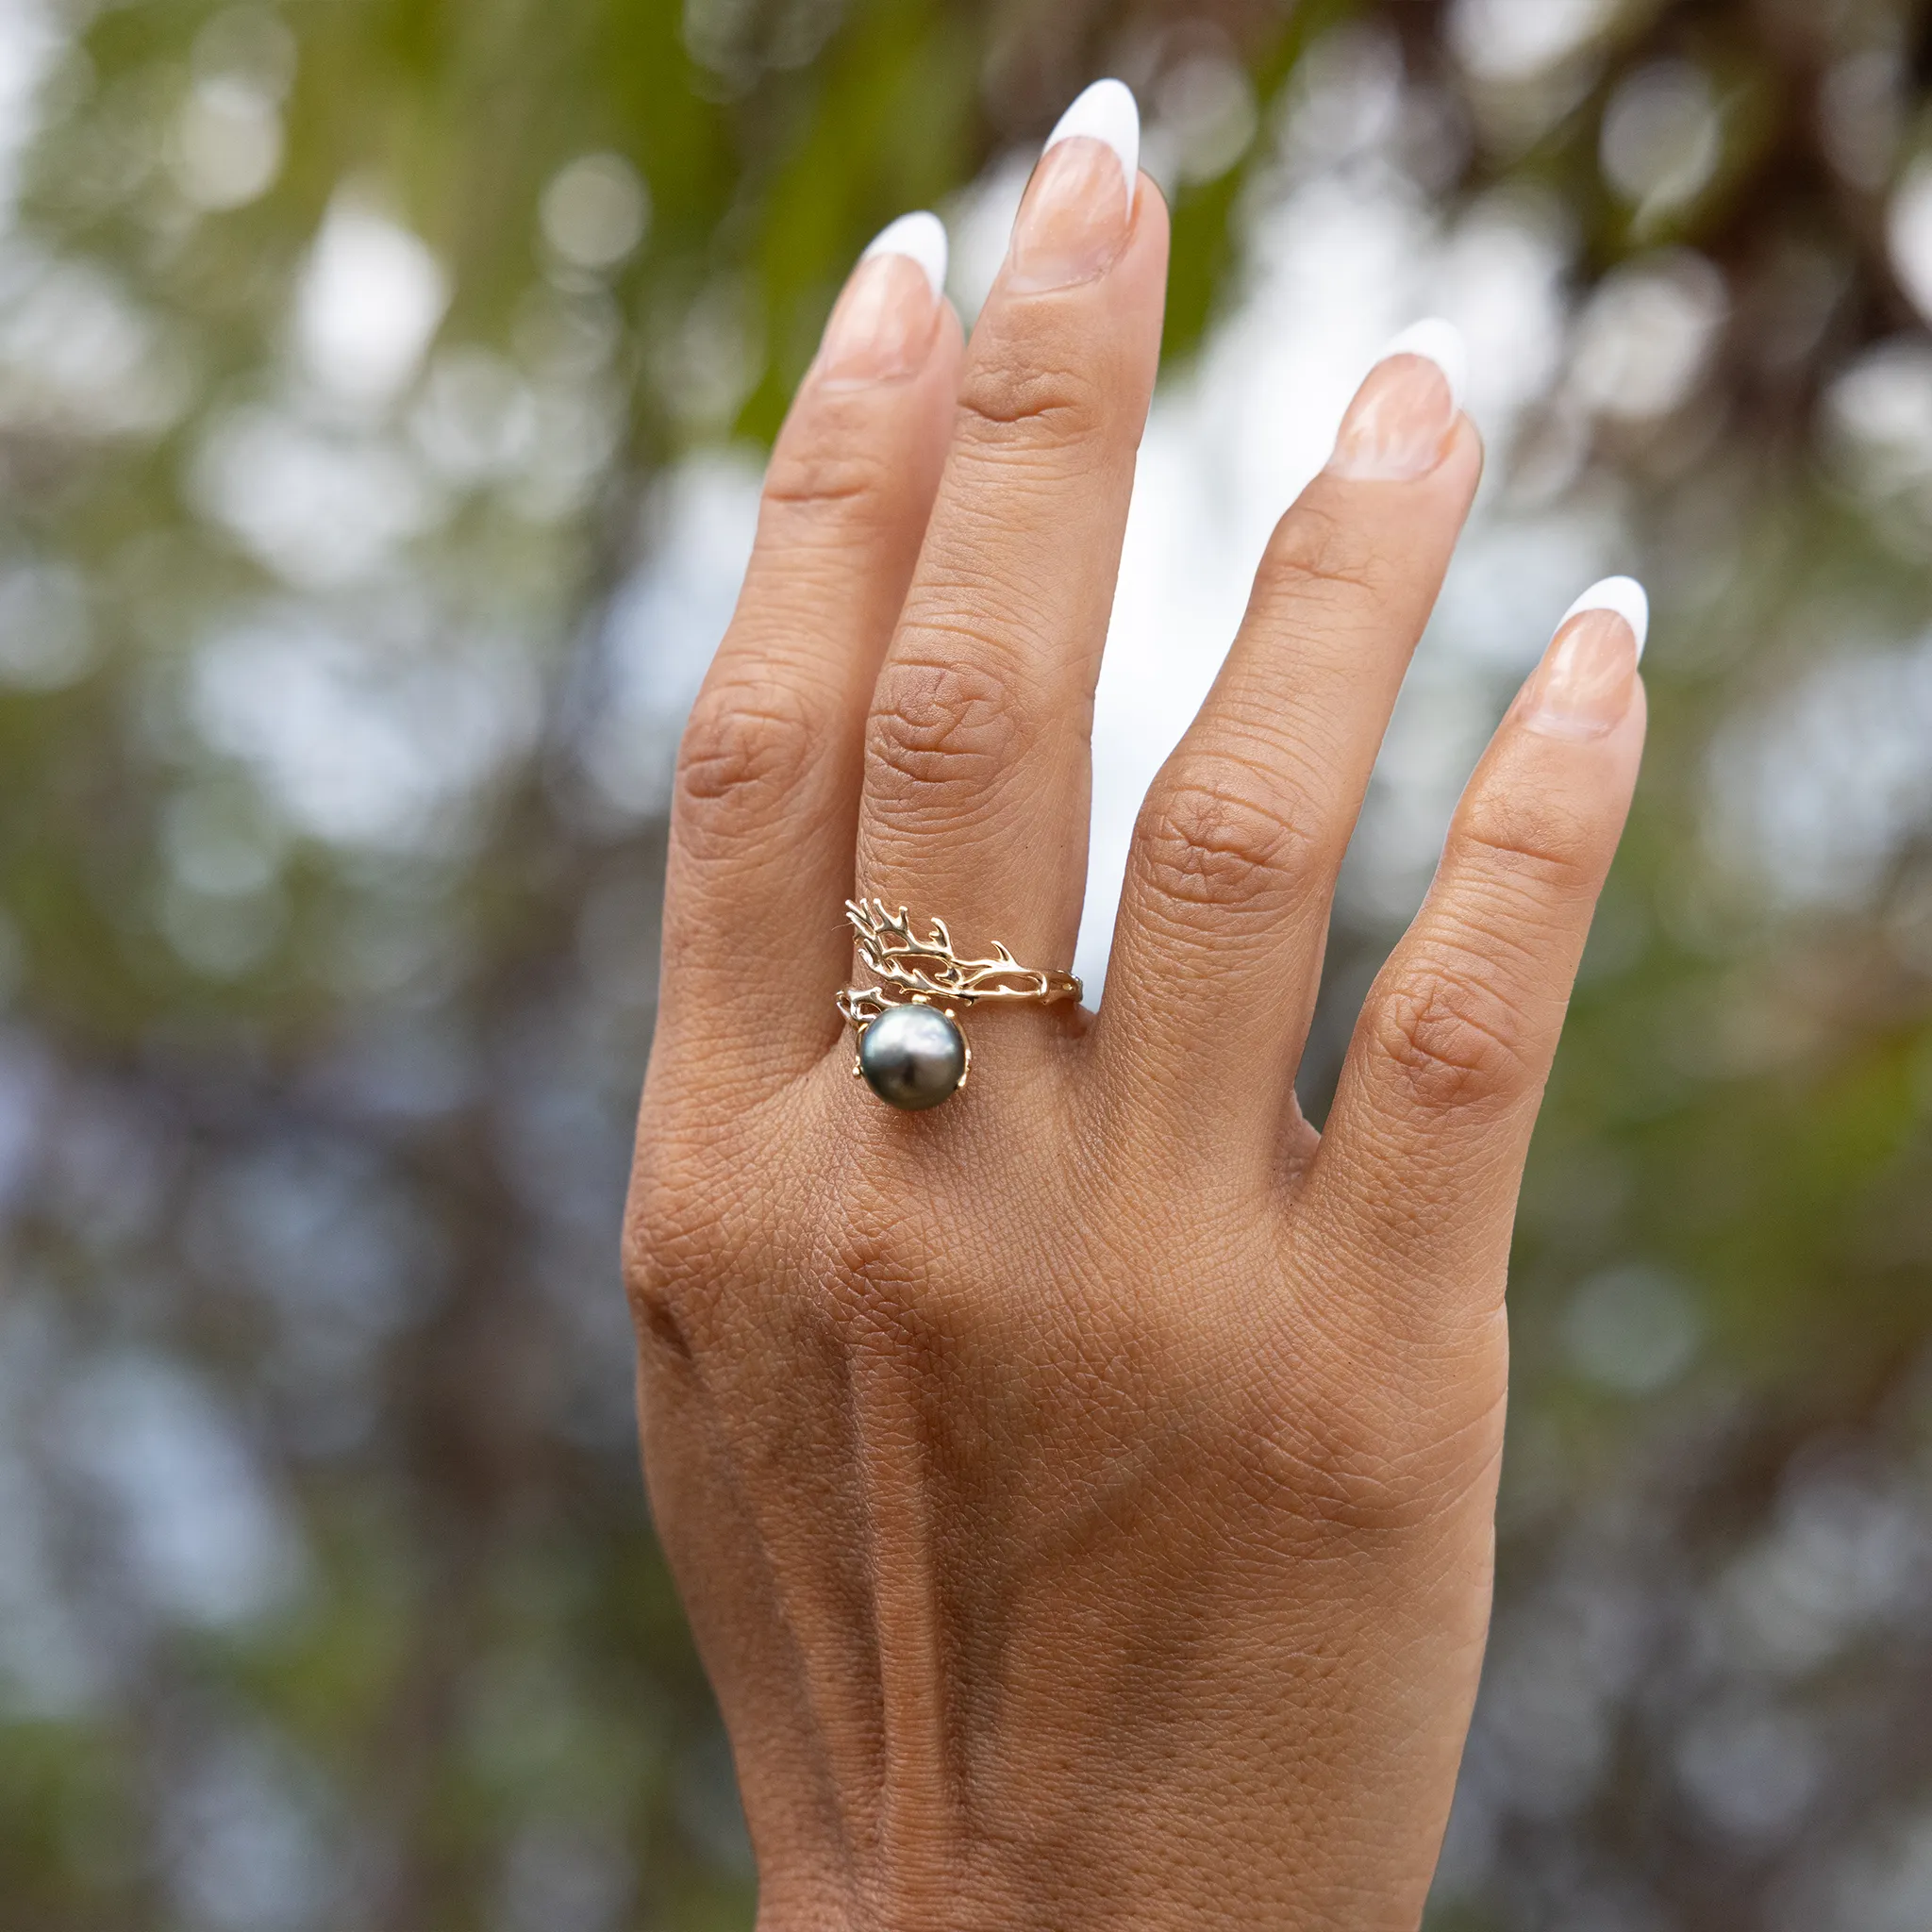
(913, 1058)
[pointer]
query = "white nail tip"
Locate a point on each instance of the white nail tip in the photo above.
(919, 238)
(1441, 343)
(1624, 595)
(1106, 112)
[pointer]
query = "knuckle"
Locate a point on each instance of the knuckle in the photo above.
(1017, 395)
(1453, 1041)
(895, 1311)
(939, 736)
(1208, 845)
(664, 1266)
(1359, 1468)
(1315, 556)
(747, 750)
(819, 484)
(657, 1310)
(1346, 1481)
(1535, 841)
(691, 1225)
(881, 1291)
(888, 1312)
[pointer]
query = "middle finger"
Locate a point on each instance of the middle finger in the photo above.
(977, 775)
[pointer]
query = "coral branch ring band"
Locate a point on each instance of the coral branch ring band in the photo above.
(913, 1051)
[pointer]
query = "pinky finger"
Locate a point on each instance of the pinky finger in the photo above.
(1418, 1172)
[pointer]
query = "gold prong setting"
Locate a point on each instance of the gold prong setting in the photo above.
(913, 1049)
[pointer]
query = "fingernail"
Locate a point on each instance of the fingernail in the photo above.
(1582, 687)
(884, 322)
(1079, 204)
(1400, 424)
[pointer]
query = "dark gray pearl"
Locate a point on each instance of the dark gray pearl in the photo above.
(913, 1058)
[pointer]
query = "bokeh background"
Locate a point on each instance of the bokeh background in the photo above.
(383, 390)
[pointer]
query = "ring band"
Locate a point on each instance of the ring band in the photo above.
(912, 1052)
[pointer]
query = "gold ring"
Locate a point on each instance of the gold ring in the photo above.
(912, 1052)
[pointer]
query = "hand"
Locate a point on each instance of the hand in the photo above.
(1083, 1492)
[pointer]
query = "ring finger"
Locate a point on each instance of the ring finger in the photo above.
(977, 769)
(1225, 915)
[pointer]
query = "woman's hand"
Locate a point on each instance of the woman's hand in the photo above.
(1083, 1492)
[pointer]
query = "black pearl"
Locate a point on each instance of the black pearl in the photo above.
(913, 1058)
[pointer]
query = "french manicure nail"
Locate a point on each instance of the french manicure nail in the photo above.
(1079, 204)
(883, 324)
(1400, 424)
(1582, 687)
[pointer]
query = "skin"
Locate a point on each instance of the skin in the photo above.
(1083, 1493)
